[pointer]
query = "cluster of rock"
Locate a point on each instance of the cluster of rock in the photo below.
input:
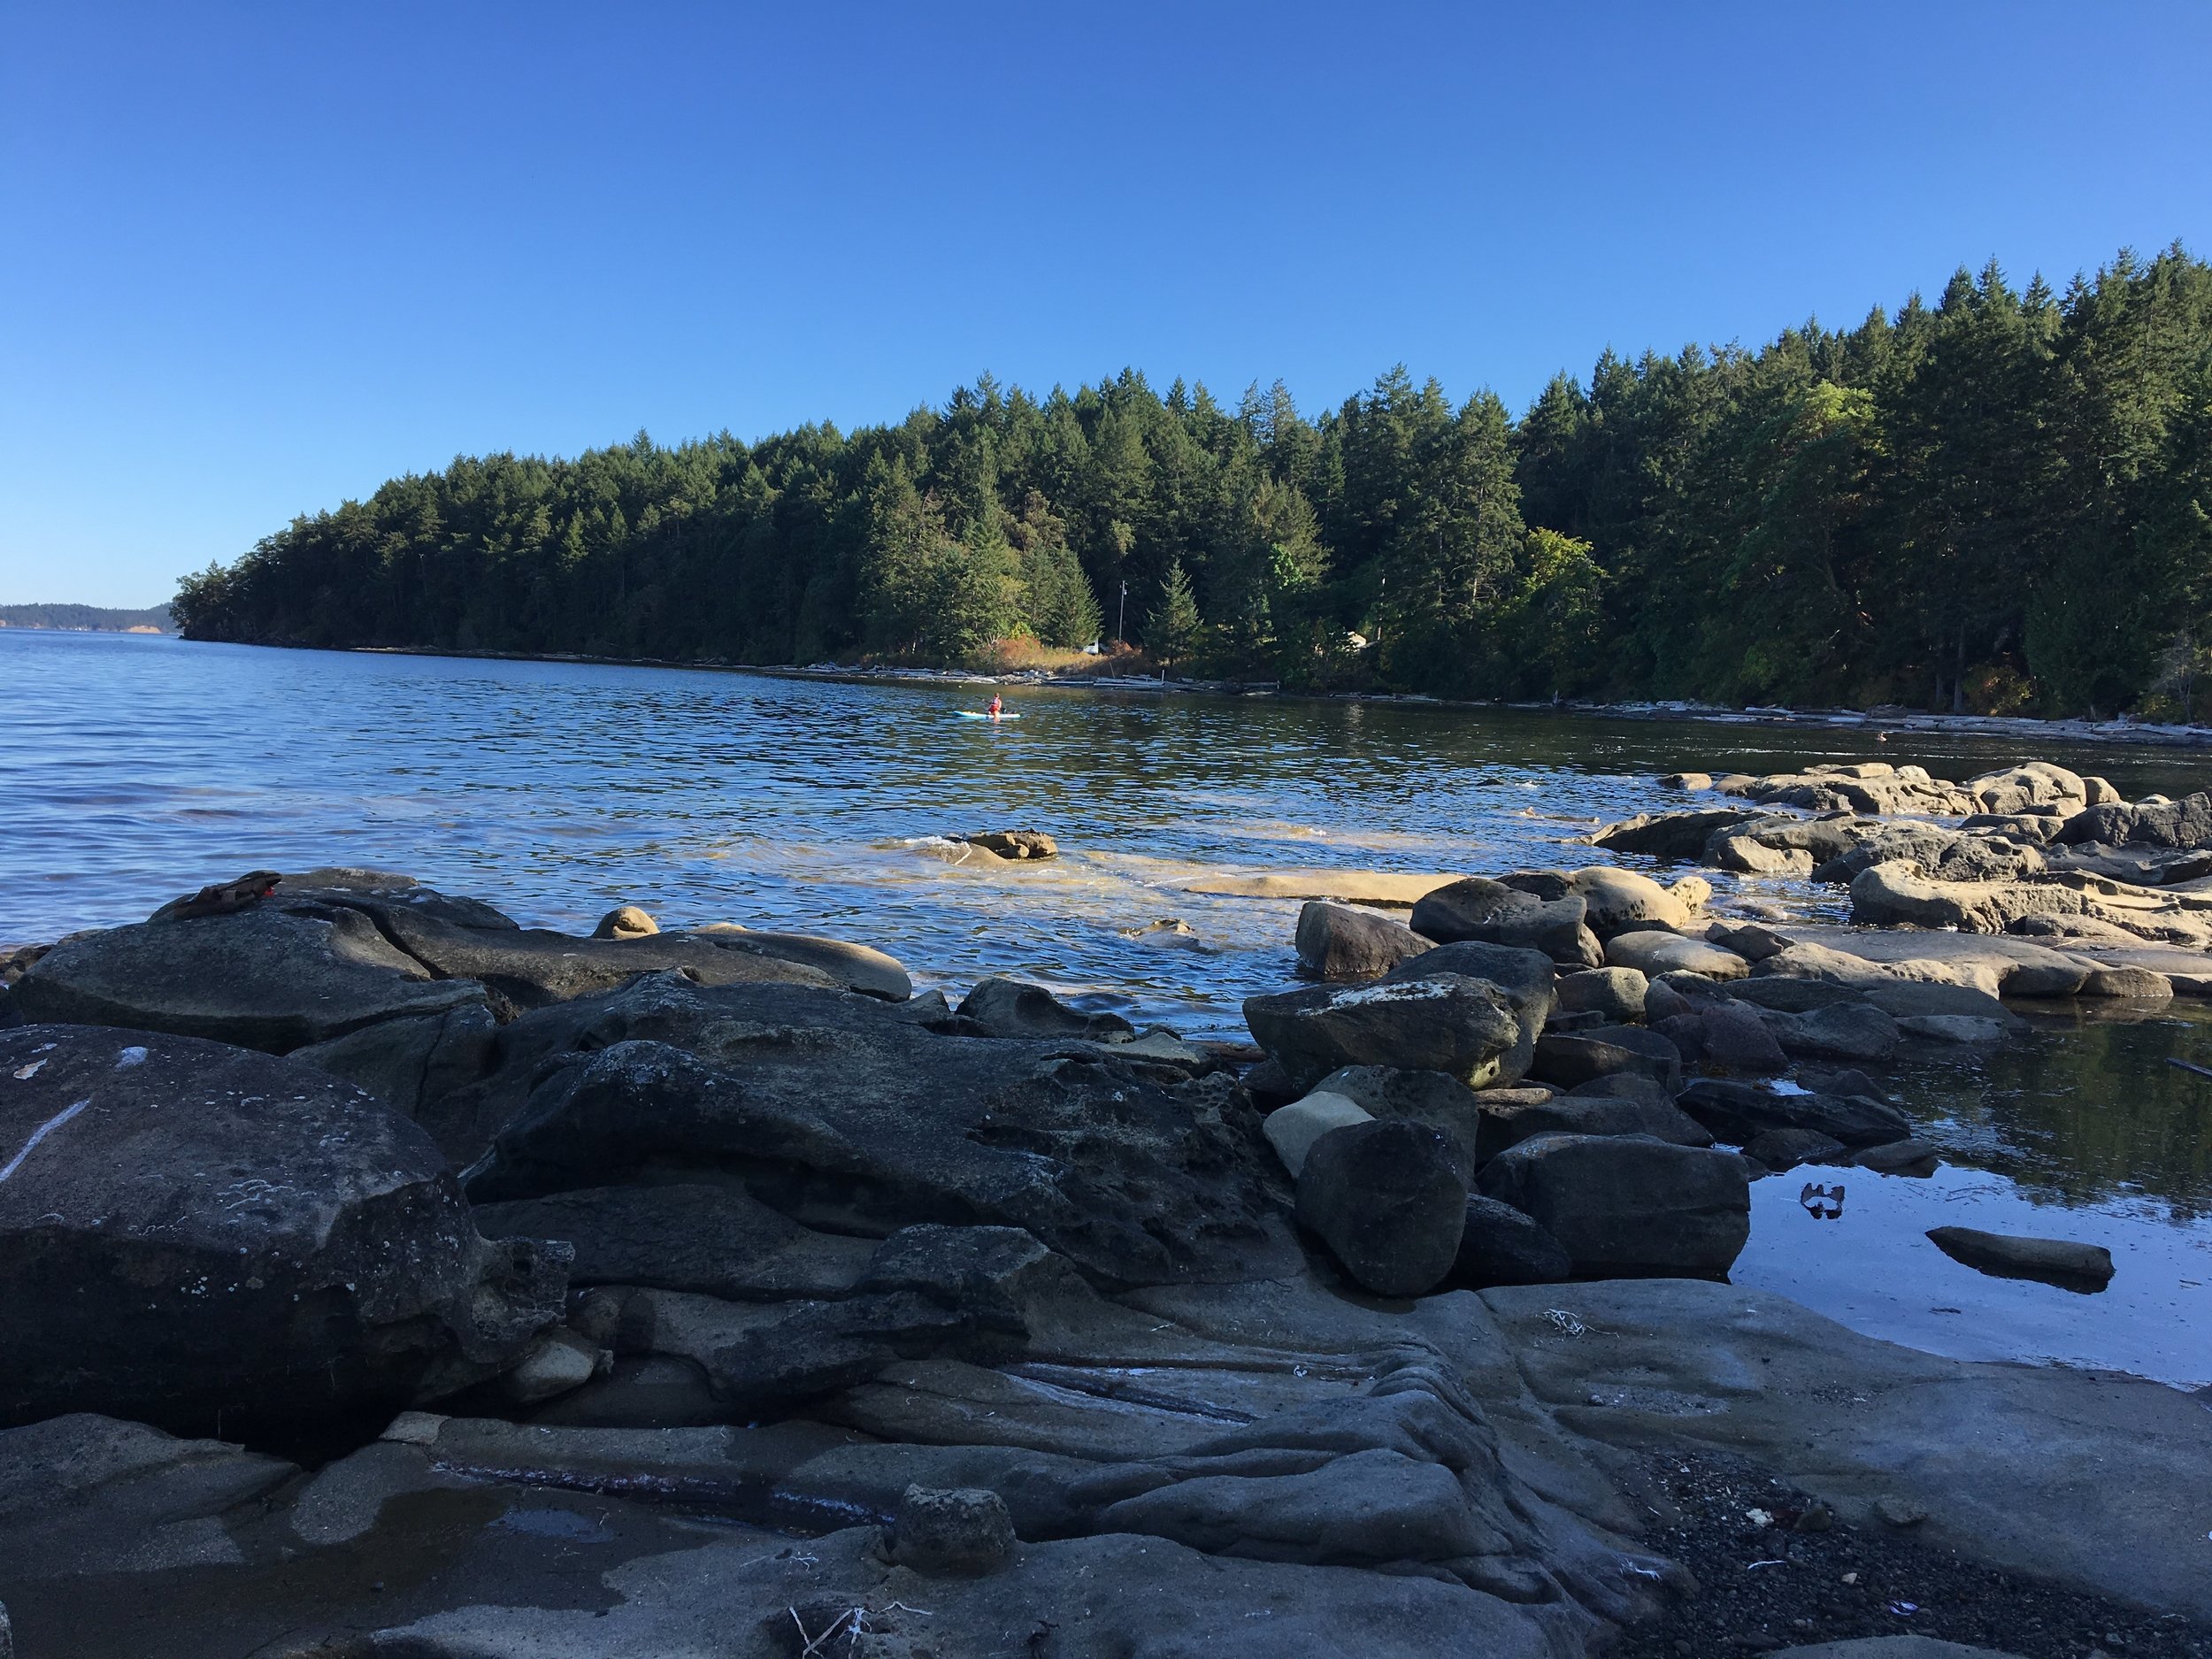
(1032, 1323)
(2036, 851)
(1542, 1076)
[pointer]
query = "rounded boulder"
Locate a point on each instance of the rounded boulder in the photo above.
(1387, 1200)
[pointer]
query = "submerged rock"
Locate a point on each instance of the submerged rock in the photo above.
(190, 1231)
(2061, 1261)
(1017, 844)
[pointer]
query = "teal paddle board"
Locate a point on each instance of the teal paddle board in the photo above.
(969, 714)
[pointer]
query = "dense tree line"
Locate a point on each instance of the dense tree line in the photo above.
(2000, 501)
(92, 619)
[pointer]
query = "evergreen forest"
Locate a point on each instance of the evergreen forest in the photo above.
(1998, 502)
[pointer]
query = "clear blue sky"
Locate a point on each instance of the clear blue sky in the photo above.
(256, 258)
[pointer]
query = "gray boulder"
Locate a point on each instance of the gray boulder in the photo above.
(1445, 1023)
(1007, 1008)
(1574, 1057)
(2186, 823)
(1443, 1103)
(1653, 954)
(1346, 942)
(189, 1231)
(1734, 1035)
(1780, 1149)
(1679, 835)
(860, 968)
(1493, 913)
(1293, 1129)
(1616, 992)
(1624, 1104)
(1842, 1030)
(1746, 855)
(1524, 976)
(1501, 1245)
(1625, 1205)
(1389, 1202)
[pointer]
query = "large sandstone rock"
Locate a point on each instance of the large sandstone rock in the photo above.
(413, 1059)
(276, 977)
(1621, 900)
(1344, 942)
(1445, 1023)
(1897, 894)
(844, 1114)
(2064, 1261)
(1493, 913)
(1653, 954)
(2033, 783)
(2186, 822)
(1845, 1031)
(1626, 1205)
(1389, 1202)
(1942, 855)
(190, 1231)
(1748, 855)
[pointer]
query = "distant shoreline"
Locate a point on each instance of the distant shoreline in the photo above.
(2134, 732)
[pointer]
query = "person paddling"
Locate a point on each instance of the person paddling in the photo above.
(997, 708)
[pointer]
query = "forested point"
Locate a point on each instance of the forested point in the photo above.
(2000, 503)
(84, 619)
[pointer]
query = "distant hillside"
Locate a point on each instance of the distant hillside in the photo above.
(86, 619)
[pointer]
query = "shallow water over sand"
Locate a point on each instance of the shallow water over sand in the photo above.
(136, 769)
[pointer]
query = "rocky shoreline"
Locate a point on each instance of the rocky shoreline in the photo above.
(384, 1278)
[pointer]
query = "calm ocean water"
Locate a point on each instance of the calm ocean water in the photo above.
(133, 769)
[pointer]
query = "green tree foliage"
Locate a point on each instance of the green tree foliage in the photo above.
(2004, 498)
(1174, 628)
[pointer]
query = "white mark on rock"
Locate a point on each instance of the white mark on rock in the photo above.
(40, 1133)
(129, 1057)
(25, 1073)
